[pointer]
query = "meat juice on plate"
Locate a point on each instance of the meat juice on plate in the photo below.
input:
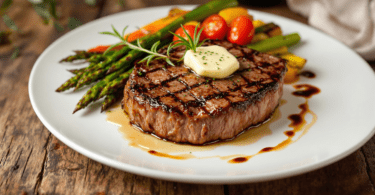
(158, 147)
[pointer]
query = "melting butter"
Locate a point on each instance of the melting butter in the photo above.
(211, 61)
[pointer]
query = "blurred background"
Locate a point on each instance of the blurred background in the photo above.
(40, 22)
(351, 22)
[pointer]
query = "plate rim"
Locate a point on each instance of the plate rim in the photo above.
(198, 179)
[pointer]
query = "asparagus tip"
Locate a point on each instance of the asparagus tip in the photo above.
(71, 70)
(76, 109)
(60, 89)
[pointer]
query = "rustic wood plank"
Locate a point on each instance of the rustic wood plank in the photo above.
(68, 172)
(22, 137)
(369, 152)
(32, 161)
(348, 176)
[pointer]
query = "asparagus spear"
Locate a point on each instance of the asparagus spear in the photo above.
(126, 62)
(96, 58)
(87, 55)
(72, 82)
(268, 30)
(199, 13)
(116, 66)
(93, 93)
(265, 28)
(116, 55)
(76, 71)
(90, 56)
(275, 42)
(111, 58)
(116, 84)
(110, 99)
(80, 54)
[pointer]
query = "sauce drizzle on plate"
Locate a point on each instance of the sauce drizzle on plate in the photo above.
(298, 122)
(161, 148)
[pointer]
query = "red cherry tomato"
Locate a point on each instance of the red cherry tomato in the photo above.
(190, 31)
(241, 30)
(214, 27)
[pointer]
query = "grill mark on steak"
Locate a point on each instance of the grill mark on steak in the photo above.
(159, 83)
(174, 103)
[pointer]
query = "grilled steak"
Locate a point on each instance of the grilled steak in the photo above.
(174, 103)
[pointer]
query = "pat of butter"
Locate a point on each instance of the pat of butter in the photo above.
(211, 61)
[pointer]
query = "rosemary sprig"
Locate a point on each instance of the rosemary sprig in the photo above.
(190, 43)
(153, 54)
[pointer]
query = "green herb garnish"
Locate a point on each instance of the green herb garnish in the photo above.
(191, 43)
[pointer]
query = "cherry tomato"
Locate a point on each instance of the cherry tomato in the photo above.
(241, 30)
(189, 29)
(214, 27)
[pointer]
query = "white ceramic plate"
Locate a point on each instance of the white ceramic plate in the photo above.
(345, 109)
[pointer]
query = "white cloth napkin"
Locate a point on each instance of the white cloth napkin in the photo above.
(350, 21)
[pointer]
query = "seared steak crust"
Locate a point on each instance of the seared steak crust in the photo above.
(176, 104)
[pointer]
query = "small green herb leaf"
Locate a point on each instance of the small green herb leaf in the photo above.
(107, 33)
(116, 32)
(123, 32)
(153, 54)
(192, 42)
(43, 12)
(10, 23)
(15, 53)
(169, 61)
(73, 23)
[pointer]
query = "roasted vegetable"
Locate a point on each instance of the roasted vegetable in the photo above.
(120, 61)
(294, 61)
(278, 51)
(258, 23)
(241, 31)
(214, 27)
(156, 25)
(229, 14)
(80, 54)
(275, 42)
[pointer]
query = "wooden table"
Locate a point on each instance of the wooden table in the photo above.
(33, 161)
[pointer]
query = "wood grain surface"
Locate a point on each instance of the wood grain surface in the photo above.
(33, 161)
